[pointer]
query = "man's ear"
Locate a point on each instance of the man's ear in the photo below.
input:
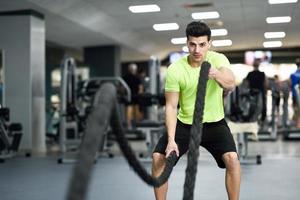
(209, 43)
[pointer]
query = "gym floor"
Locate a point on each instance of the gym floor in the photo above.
(41, 178)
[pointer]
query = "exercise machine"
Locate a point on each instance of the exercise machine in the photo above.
(291, 131)
(268, 129)
(153, 126)
(69, 137)
(10, 136)
(88, 93)
(242, 110)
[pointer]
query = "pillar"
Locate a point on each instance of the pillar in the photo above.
(22, 40)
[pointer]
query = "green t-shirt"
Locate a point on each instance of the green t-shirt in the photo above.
(183, 78)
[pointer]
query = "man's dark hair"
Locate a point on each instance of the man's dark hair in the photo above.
(197, 29)
(256, 63)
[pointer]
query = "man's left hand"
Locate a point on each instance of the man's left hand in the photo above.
(213, 72)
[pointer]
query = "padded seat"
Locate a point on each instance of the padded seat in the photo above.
(152, 131)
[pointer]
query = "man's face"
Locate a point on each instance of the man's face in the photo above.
(198, 47)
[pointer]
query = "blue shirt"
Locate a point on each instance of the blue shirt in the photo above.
(295, 79)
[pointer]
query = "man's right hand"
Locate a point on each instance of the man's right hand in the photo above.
(172, 146)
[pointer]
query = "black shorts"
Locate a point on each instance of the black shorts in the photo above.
(216, 138)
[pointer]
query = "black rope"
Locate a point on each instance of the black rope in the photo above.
(105, 111)
(131, 158)
(196, 134)
(97, 123)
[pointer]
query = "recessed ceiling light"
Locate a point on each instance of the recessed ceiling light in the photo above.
(274, 20)
(181, 40)
(206, 15)
(166, 27)
(218, 32)
(282, 1)
(144, 8)
(271, 44)
(274, 35)
(221, 43)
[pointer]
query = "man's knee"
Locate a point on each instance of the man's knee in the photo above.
(158, 162)
(231, 160)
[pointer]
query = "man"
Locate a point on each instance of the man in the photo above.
(257, 80)
(136, 88)
(181, 86)
(295, 79)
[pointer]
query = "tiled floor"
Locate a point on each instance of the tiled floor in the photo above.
(41, 178)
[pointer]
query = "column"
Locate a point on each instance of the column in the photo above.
(22, 40)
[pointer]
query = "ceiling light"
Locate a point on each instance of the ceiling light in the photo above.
(144, 8)
(206, 15)
(282, 1)
(185, 49)
(221, 43)
(166, 27)
(181, 40)
(271, 44)
(274, 35)
(218, 32)
(273, 20)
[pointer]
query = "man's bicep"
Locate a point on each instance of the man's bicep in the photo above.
(172, 99)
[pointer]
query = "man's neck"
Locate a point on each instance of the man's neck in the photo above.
(194, 64)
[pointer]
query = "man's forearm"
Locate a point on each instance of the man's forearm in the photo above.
(171, 120)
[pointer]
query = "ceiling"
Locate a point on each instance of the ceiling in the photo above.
(80, 23)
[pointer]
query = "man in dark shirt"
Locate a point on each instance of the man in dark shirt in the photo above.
(257, 80)
(135, 85)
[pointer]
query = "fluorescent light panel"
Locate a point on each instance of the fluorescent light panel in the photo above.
(181, 40)
(274, 20)
(206, 15)
(271, 44)
(166, 27)
(218, 32)
(282, 1)
(269, 35)
(144, 8)
(221, 43)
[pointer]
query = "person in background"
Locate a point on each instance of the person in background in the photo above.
(284, 94)
(294, 79)
(135, 84)
(257, 80)
(276, 94)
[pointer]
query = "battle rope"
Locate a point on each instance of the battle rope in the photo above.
(196, 135)
(106, 111)
(131, 158)
(97, 123)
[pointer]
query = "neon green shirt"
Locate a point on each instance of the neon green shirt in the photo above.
(183, 78)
